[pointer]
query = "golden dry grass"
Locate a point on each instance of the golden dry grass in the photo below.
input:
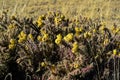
(108, 10)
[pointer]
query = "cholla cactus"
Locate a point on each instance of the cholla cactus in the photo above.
(54, 47)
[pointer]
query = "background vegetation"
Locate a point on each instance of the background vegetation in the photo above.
(108, 10)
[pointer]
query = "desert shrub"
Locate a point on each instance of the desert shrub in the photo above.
(53, 47)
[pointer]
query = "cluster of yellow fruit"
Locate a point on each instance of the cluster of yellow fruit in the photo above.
(78, 30)
(115, 52)
(76, 65)
(22, 37)
(43, 38)
(59, 39)
(68, 37)
(11, 26)
(115, 30)
(106, 41)
(58, 19)
(40, 21)
(12, 44)
(31, 36)
(39, 38)
(87, 35)
(75, 47)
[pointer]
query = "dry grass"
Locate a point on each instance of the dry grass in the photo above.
(107, 10)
